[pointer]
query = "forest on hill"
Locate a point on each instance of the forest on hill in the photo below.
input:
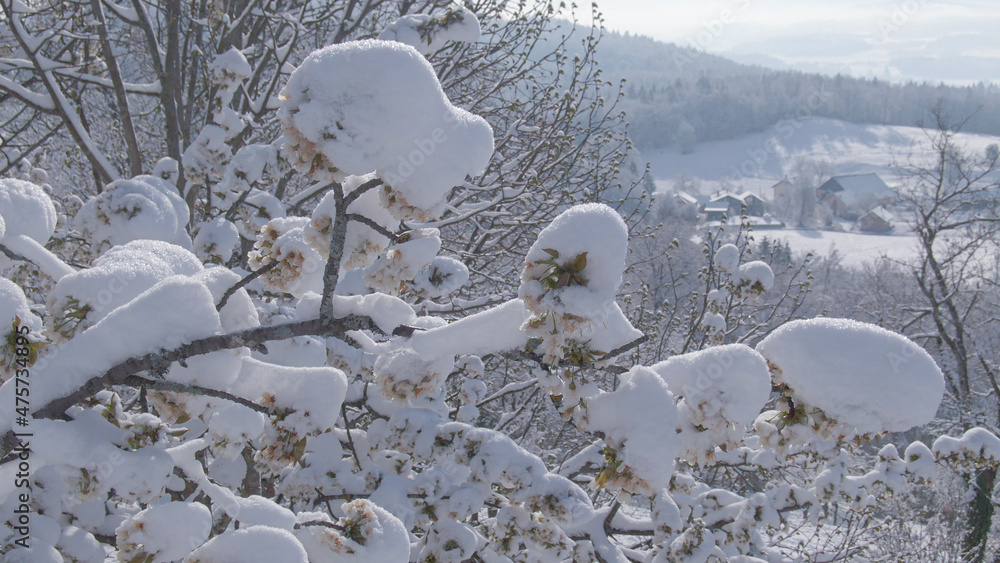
(676, 96)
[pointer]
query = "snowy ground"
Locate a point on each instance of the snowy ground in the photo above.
(855, 249)
(757, 161)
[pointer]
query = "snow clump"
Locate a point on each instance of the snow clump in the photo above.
(371, 105)
(756, 276)
(25, 210)
(163, 532)
(641, 449)
(145, 207)
(366, 532)
(977, 446)
(27, 221)
(216, 241)
(855, 373)
(429, 32)
(722, 390)
(443, 276)
(15, 312)
(81, 299)
(727, 258)
(571, 275)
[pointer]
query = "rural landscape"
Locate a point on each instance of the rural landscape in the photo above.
(487, 281)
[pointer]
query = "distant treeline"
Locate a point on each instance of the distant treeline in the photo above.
(677, 96)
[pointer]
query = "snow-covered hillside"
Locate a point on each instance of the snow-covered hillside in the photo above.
(756, 162)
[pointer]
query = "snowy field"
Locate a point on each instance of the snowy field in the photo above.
(757, 161)
(855, 249)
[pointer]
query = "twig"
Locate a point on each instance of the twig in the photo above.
(355, 194)
(373, 225)
(163, 385)
(320, 523)
(350, 441)
(243, 282)
(625, 347)
(13, 255)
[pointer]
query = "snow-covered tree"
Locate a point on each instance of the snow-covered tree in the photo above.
(331, 402)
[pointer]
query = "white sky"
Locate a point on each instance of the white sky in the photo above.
(957, 41)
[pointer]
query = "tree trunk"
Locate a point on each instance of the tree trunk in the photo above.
(980, 518)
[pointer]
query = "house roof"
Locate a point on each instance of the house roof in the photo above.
(716, 206)
(721, 196)
(857, 188)
(685, 197)
(881, 213)
(858, 184)
(747, 196)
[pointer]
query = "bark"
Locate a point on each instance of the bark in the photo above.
(121, 96)
(980, 518)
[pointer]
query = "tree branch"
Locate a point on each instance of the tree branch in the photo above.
(121, 96)
(373, 183)
(243, 282)
(373, 225)
(164, 385)
(252, 338)
(338, 238)
(625, 348)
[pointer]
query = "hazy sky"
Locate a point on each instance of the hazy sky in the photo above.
(957, 41)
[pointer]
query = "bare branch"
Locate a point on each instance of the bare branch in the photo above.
(164, 385)
(243, 282)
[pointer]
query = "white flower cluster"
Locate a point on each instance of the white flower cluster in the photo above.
(206, 159)
(571, 276)
(299, 267)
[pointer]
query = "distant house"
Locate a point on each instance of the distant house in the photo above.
(683, 204)
(853, 195)
(735, 203)
(755, 205)
(875, 221)
(715, 211)
(782, 190)
(684, 198)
